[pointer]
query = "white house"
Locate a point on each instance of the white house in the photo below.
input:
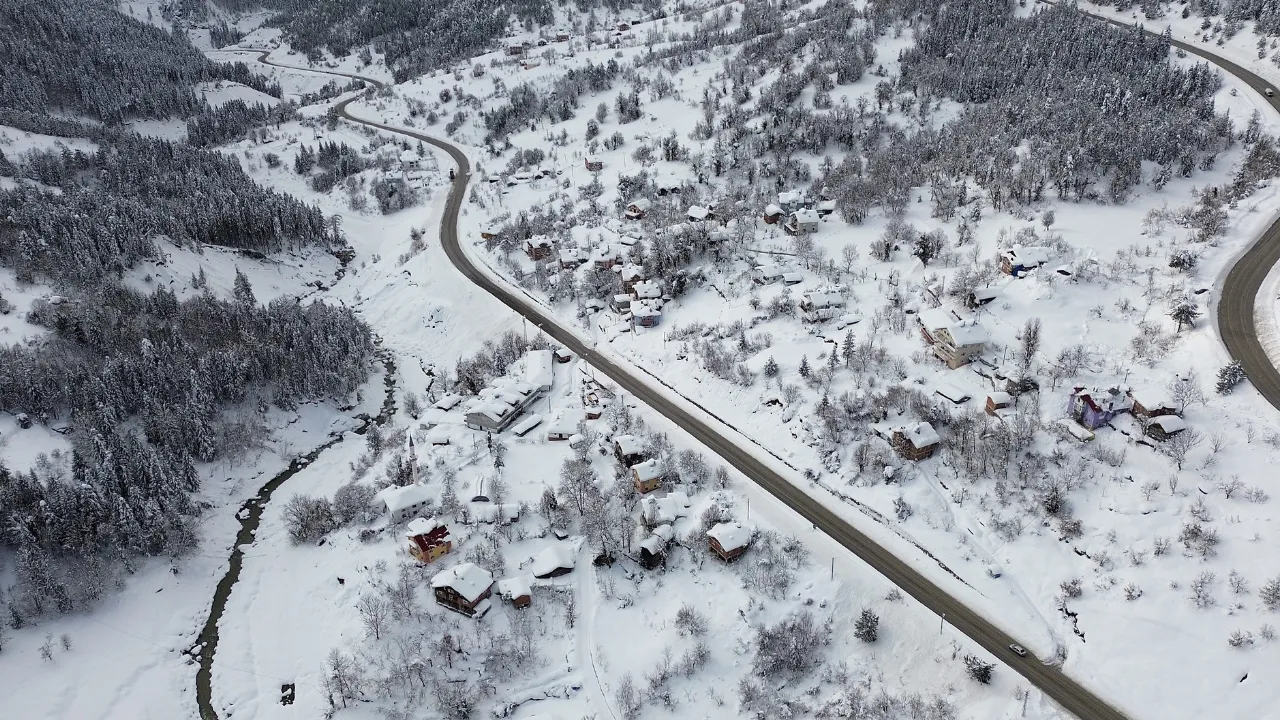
(765, 274)
(406, 502)
(803, 222)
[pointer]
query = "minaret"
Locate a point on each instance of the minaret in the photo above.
(413, 459)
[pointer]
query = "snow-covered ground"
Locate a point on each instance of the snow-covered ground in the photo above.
(1155, 655)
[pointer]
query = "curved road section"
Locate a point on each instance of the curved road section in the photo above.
(1066, 692)
(1236, 322)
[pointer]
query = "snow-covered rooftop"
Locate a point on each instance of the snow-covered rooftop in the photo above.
(1169, 423)
(969, 333)
(514, 587)
(448, 402)
(641, 204)
(648, 290)
(537, 369)
(1026, 256)
(398, 498)
(647, 470)
(698, 212)
(730, 536)
(629, 445)
(467, 579)
(805, 216)
(420, 526)
(921, 434)
(935, 318)
(553, 558)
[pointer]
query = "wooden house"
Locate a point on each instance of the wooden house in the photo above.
(698, 213)
(1149, 403)
(1163, 427)
(464, 588)
(562, 37)
(594, 164)
(628, 449)
(636, 209)
(647, 475)
(563, 355)
(623, 26)
(537, 248)
(772, 214)
(514, 50)
(653, 549)
(915, 441)
(729, 540)
(428, 539)
(826, 207)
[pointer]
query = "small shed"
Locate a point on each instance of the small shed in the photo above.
(980, 296)
(653, 551)
(562, 428)
(628, 449)
(772, 214)
(698, 213)
(766, 274)
(1163, 427)
(563, 355)
(448, 402)
(826, 207)
(729, 540)
(525, 426)
(517, 590)
(553, 561)
(594, 163)
(792, 278)
(998, 401)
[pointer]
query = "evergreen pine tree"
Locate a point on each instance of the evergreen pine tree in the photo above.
(770, 367)
(804, 369)
(867, 628)
(243, 291)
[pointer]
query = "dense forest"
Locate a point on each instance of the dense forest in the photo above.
(415, 36)
(86, 58)
(145, 386)
(110, 205)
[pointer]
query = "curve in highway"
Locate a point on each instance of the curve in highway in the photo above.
(1069, 694)
(1236, 322)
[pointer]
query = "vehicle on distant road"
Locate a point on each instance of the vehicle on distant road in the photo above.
(1270, 92)
(1018, 649)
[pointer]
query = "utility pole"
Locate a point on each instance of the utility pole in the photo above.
(941, 620)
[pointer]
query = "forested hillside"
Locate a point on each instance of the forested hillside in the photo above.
(83, 57)
(147, 386)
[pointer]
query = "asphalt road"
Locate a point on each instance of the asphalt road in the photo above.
(1244, 280)
(1066, 692)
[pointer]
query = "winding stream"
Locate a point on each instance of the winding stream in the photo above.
(250, 514)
